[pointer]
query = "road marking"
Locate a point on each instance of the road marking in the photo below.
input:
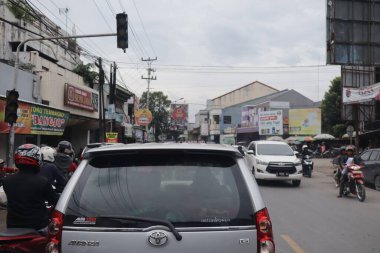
(296, 248)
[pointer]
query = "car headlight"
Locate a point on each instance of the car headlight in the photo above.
(297, 163)
(262, 162)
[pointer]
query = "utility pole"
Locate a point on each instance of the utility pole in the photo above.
(113, 121)
(150, 70)
(101, 100)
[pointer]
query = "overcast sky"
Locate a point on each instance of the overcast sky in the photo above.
(206, 48)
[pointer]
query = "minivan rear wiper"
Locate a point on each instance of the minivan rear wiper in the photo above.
(150, 220)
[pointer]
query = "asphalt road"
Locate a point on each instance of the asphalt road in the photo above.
(311, 219)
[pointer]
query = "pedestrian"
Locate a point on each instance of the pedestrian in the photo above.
(50, 171)
(63, 159)
(27, 191)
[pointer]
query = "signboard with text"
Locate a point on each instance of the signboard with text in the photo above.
(36, 119)
(143, 117)
(305, 121)
(360, 95)
(270, 123)
(80, 98)
(111, 137)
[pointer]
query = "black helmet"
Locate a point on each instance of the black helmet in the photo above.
(65, 147)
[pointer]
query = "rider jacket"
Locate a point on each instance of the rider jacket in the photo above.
(54, 175)
(63, 162)
(26, 193)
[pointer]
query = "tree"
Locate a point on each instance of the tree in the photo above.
(86, 71)
(331, 107)
(159, 105)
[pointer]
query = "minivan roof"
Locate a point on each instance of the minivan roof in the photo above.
(167, 146)
(271, 142)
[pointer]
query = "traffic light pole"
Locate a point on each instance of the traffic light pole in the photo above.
(15, 75)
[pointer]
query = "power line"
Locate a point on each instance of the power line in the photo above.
(101, 13)
(143, 26)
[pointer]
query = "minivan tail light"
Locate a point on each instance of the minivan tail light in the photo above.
(55, 233)
(265, 242)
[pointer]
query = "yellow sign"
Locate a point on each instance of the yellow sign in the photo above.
(305, 121)
(111, 137)
(143, 117)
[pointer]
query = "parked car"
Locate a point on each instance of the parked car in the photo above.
(161, 198)
(275, 160)
(371, 160)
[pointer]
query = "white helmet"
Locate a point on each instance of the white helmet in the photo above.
(304, 146)
(48, 154)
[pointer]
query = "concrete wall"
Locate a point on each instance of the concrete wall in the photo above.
(53, 79)
(245, 93)
(26, 82)
(21, 30)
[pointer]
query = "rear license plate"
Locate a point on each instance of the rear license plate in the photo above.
(282, 174)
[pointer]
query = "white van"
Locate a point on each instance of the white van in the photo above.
(274, 160)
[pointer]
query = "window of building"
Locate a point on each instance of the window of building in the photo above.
(227, 119)
(216, 119)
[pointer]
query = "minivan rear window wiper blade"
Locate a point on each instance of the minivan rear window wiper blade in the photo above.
(150, 220)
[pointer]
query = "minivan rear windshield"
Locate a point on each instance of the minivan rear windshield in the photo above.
(187, 189)
(274, 149)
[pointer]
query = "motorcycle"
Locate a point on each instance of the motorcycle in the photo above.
(355, 182)
(22, 240)
(307, 166)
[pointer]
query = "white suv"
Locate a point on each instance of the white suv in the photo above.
(274, 160)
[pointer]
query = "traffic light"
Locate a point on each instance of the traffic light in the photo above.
(122, 30)
(11, 106)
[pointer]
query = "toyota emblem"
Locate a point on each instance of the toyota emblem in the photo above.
(157, 238)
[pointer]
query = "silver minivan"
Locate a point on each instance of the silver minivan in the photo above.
(161, 198)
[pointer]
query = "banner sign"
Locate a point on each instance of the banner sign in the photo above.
(359, 95)
(36, 119)
(143, 117)
(80, 98)
(179, 114)
(270, 123)
(250, 116)
(111, 137)
(305, 121)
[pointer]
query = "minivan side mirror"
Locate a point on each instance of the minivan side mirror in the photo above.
(250, 152)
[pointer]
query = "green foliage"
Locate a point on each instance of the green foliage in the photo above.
(21, 11)
(338, 130)
(86, 71)
(159, 105)
(331, 107)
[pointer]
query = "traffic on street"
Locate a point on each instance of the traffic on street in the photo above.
(189, 126)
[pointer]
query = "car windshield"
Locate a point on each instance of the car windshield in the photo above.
(186, 189)
(274, 149)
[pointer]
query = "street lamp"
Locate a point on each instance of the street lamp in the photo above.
(177, 100)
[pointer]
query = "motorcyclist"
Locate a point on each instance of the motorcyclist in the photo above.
(305, 151)
(50, 171)
(344, 177)
(27, 191)
(64, 157)
(340, 162)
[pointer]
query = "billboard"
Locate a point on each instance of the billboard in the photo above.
(36, 119)
(80, 98)
(179, 114)
(305, 121)
(270, 123)
(363, 94)
(143, 117)
(250, 116)
(353, 32)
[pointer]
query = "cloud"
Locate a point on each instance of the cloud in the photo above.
(213, 32)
